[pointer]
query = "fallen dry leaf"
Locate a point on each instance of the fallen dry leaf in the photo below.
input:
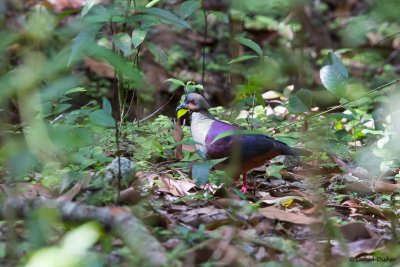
(354, 249)
(177, 188)
(282, 215)
(356, 231)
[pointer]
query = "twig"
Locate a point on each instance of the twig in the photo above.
(158, 110)
(122, 223)
(203, 69)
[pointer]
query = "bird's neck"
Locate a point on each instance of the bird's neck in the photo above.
(200, 125)
(200, 116)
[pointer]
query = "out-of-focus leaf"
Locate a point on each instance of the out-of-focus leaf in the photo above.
(175, 81)
(82, 238)
(242, 58)
(158, 53)
(201, 171)
(152, 3)
(107, 106)
(75, 90)
(301, 101)
(117, 62)
(334, 76)
(73, 250)
(220, 16)
(138, 37)
(84, 39)
(188, 7)
(102, 118)
(250, 44)
(274, 171)
(191, 87)
(88, 6)
(164, 15)
(56, 89)
(235, 132)
(123, 42)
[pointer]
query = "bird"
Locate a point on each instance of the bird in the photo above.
(245, 151)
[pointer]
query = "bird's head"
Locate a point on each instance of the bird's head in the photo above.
(194, 103)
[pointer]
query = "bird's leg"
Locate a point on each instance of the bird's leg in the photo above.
(245, 186)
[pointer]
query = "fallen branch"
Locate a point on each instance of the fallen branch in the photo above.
(121, 222)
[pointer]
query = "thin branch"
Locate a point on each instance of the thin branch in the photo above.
(158, 110)
(203, 68)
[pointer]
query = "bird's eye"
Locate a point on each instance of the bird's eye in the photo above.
(191, 101)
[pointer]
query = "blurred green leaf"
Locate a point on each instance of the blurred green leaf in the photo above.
(235, 132)
(334, 76)
(102, 118)
(152, 3)
(75, 90)
(107, 106)
(158, 53)
(301, 101)
(188, 7)
(165, 15)
(83, 40)
(242, 58)
(175, 81)
(250, 44)
(88, 5)
(201, 171)
(138, 37)
(123, 42)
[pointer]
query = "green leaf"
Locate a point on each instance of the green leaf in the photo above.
(250, 44)
(334, 76)
(152, 3)
(242, 58)
(181, 112)
(88, 5)
(301, 101)
(235, 132)
(201, 171)
(191, 87)
(158, 53)
(220, 16)
(188, 7)
(123, 42)
(107, 106)
(82, 41)
(102, 118)
(164, 15)
(62, 107)
(75, 90)
(175, 81)
(138, 37)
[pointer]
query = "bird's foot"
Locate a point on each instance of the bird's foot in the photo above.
(245, 188)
